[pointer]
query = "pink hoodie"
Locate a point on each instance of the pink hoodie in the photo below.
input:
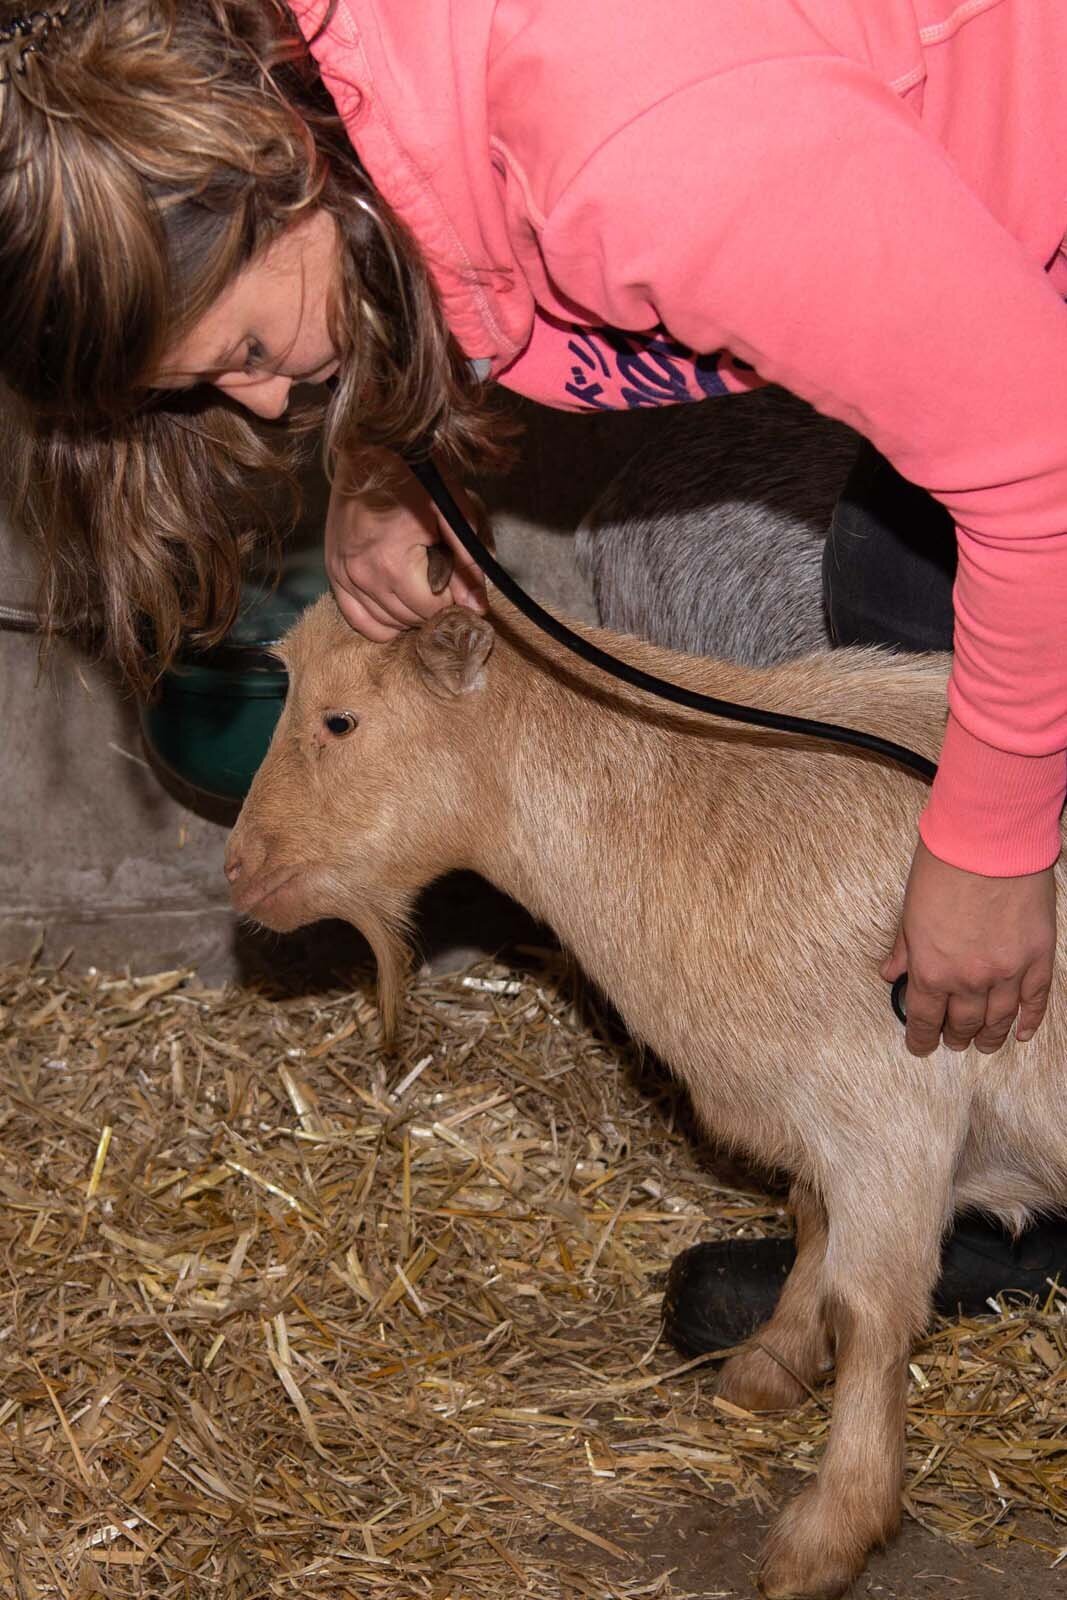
(863, 200)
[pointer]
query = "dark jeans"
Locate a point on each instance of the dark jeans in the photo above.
(889, 562)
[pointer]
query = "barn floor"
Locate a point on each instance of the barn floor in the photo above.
(286, 1313)
(709, 1552)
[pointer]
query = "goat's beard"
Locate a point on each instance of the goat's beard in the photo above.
(383, 916)
(387, 931)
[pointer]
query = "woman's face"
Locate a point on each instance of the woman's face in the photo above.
(267, 330)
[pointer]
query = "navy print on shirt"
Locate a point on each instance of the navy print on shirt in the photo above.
(613, 370)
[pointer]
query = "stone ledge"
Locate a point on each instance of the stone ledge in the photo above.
(460, 920)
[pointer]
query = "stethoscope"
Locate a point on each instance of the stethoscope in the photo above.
(431, 480)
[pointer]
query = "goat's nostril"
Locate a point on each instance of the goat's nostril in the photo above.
(233, 868)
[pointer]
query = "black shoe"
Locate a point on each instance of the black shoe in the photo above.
(718, 1294)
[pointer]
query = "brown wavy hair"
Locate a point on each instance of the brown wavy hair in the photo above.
(149, 149)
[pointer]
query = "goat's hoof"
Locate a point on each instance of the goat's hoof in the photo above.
(806, 1557)
(755, 1380)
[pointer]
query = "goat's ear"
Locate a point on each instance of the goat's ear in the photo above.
(452, 649)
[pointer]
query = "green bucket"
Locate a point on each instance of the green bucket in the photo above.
(212, 720)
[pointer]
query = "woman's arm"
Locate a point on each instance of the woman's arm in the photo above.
(795, 212)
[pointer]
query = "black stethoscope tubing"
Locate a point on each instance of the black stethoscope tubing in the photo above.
(755, 716)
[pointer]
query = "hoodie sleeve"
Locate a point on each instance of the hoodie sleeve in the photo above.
(795, 212)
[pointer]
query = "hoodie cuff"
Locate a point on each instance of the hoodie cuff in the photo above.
(991, 811)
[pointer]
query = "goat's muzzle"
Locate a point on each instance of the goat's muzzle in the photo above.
(258, 881)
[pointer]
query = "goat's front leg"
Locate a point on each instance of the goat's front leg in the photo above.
(881, 1263)
(791, 1351)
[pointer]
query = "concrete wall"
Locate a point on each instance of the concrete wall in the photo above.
(98, 861)
(95, 857)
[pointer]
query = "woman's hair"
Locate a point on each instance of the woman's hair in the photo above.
(149, 149)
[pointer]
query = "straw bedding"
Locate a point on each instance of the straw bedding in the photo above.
(287, 1314)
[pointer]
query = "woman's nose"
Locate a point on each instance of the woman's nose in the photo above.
(266, 396)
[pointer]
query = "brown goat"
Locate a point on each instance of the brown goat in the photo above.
(732, 891)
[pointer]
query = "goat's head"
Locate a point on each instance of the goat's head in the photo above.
(365, 794)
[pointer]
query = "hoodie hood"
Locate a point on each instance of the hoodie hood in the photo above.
(412, 92)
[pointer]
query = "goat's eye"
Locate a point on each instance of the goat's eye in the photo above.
(340, 723)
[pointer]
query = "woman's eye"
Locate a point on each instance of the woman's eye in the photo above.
(340, 722)
(255, 356)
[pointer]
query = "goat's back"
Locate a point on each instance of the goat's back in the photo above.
(734, 892)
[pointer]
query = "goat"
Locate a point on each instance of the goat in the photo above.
(732, 891)
(710, 540)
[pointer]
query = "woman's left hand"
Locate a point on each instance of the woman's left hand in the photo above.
(978, 951)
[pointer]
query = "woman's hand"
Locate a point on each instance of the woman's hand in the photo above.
(977, 952)
(376, 555)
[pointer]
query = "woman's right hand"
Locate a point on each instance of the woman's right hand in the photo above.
(376, 555)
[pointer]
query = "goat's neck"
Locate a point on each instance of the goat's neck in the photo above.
(585, 794)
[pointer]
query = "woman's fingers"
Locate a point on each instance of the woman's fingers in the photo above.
(965, 1017)
(406, 592)
(985, 1020)
(393, 595)
(467, 584)
(896, 962)
(414, 585)
(1002, 1007)
(926, 1010)
(359, 617)
(390, 581)
(393, 591)
(467, 587)
(1036, 986)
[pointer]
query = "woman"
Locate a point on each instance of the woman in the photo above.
(603, 205)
